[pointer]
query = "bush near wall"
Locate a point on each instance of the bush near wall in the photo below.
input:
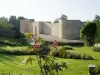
(98, 31)
(72, 55)
(65, 43)
(12, 42)
(19, 35)
(58, 54)
(88, 33)
(11, 33)
(68, 47)
(7, 33)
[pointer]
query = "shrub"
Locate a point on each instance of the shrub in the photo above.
(68, 48)
(96, 48)
(71, 55)
(4, 24)
(88, 33)
(98, 31)
(13, 42)
(18, 34)
(67, 43)
(17, 52)
(86, 57)
(44, 55)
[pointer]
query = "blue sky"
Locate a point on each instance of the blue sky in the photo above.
(51, 9)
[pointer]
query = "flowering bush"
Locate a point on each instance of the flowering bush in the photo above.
(55, 43)
(44, 56)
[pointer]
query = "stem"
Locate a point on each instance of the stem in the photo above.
(40, 65)
(45, 70)
(55, 47)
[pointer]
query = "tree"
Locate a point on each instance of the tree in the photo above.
(97, 21)
(98, 31)
(97, 18)
(13, 20)
(88, 33)
(56, 20)
(45, 55)
(3, 18)
(4, 24)
(63, 17)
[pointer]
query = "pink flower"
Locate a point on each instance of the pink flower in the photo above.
(55, 43)
(37, 45)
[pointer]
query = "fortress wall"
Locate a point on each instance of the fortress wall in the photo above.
(35, 26)
(51, 28)
(24, 26)
(71, 29)
(47, 28)
(41, 28)
(55, 29)
(67, 29)
(30, 27)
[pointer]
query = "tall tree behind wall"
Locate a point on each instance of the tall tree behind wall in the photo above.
(98, 31)
(97, 18)
(63, 17)
(4, 24)
(13, 20)
(97, 21)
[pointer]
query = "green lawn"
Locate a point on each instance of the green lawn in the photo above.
(8, 48)
(13, 64)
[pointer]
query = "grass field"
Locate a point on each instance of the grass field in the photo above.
(13, 63)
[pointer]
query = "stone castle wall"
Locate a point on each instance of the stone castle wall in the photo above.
(70, 29)
(67, 29)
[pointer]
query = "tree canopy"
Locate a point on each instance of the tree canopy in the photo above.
(88, 33)
(97, 18)
(63, 17)
(13, 20)
(4, 24)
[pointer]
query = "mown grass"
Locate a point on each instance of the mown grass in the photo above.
(13, 48)
(13, 63)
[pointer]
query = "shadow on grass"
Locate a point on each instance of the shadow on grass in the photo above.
(7, 57)
(17, 52)
(77, 44)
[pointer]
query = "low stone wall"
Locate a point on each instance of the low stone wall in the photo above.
(7, 33)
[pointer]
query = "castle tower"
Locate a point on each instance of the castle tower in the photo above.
(69, 29)
(61, 22)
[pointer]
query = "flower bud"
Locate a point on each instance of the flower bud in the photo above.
(55, 43)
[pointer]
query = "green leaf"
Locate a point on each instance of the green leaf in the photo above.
(28, 60)
(64, 65)
(41, 40)
(28, 35)
(57, 67)
(62, 52)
